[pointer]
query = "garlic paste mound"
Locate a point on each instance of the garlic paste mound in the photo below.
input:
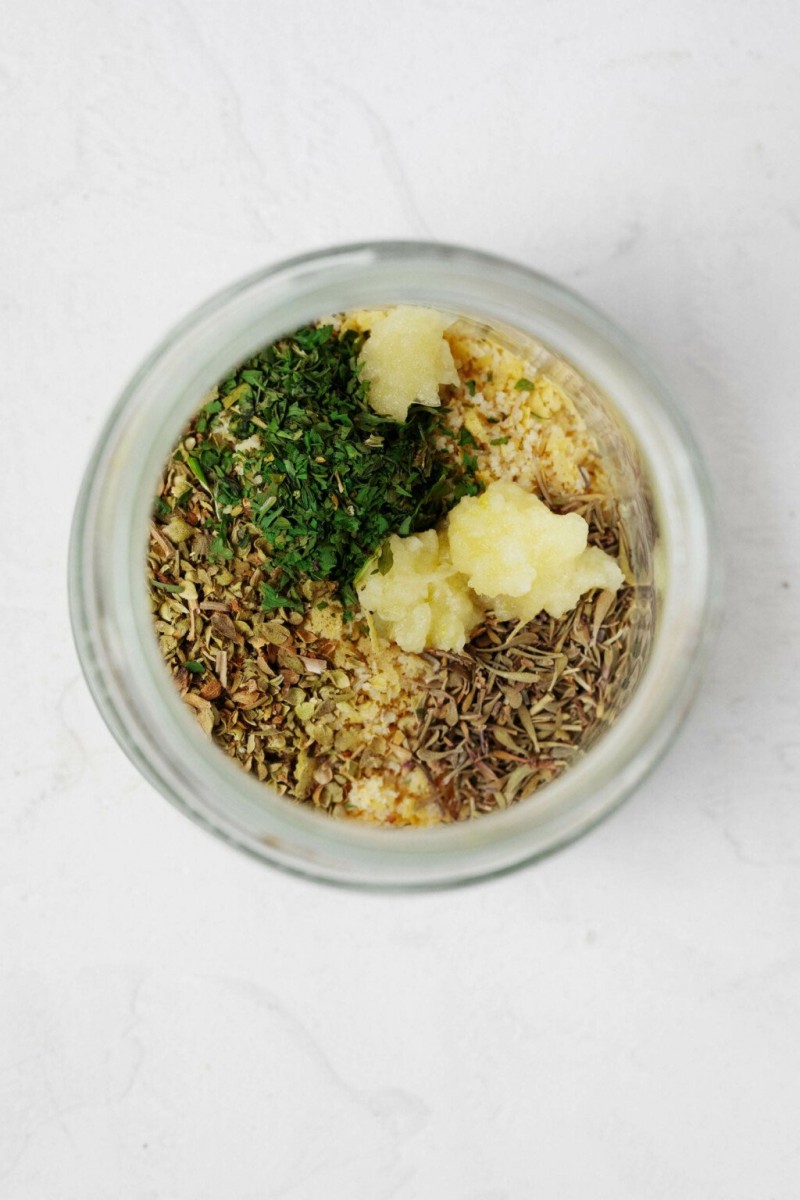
(422, 600)
(503, 551)
(523, 559)
(406, 359)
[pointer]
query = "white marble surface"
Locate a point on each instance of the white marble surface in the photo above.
(622, 1021)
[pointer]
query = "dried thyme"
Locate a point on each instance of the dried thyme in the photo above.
(510, 713)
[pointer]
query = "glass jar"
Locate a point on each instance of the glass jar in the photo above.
(658, 471)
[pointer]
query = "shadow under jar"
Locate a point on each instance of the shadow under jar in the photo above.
(663, 527)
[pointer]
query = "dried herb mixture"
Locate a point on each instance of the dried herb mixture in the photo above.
(284, 485)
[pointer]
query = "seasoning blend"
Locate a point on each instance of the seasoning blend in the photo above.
(389, 572)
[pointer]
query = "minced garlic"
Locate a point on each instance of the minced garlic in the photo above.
(422, 600)
(503, 551)
(521, 558)
(406, 359)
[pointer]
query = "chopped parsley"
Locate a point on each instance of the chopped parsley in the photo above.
(291, 445)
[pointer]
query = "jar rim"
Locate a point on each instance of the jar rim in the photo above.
(112, 623)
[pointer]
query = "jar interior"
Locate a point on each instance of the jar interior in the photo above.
(631, 512)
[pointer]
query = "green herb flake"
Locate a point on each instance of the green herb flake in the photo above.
(501, 441)
(271, 599)
(328, 479)
(194, 666)
(524, 385)
(470, 385)
(194, 466)
(238, 394)
(219, 548)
